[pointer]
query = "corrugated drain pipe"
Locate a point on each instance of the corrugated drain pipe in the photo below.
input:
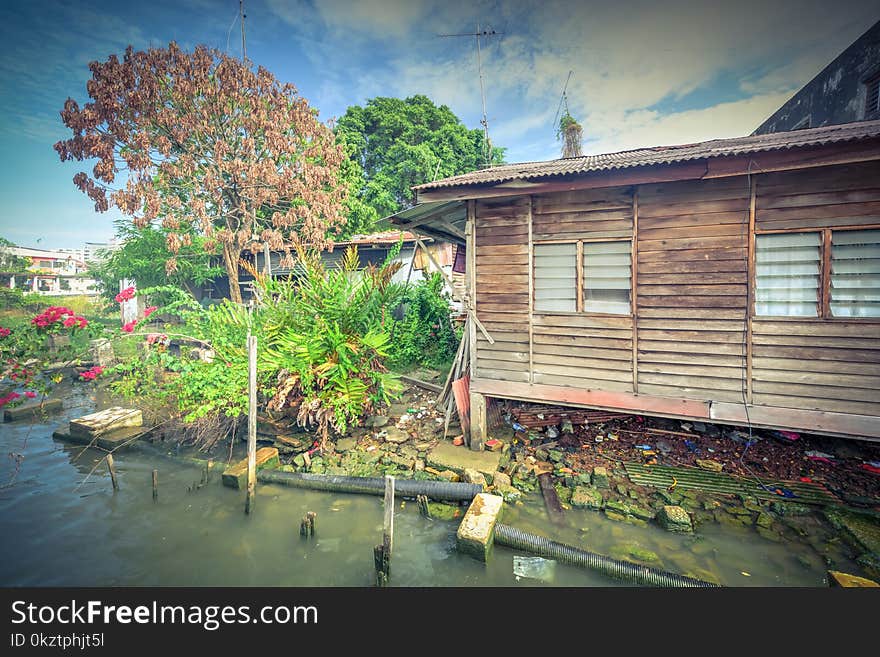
(436, 490)
(520, 540)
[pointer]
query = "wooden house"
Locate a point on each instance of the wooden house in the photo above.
(733, 281)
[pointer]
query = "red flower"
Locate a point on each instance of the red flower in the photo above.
(70, 321)
(129, 328)
(4, 332)
(149, 311)
(91, 374)
(12, 396)
(30, 394)
(127, 294)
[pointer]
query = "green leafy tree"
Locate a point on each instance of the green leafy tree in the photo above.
(142, 258)
(9, 262)
(398, 143)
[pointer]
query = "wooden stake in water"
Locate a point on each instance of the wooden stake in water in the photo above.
(422, 501)
(155, 485)
(112, 470)
(252, 422)
(382, 553)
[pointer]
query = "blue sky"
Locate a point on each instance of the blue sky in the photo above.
(644, 73)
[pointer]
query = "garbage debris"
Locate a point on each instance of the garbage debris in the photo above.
(552, 432)
(785, 436)
(821, 457)
(534, 568)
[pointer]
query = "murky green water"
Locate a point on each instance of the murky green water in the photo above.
(57, 531)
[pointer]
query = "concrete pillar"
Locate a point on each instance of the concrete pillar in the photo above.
(478, 421)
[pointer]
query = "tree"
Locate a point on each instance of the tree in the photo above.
(208, 146)
(400, 143)
(142, 256)
(9, 262)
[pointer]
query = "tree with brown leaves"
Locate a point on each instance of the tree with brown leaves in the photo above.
(204, 145)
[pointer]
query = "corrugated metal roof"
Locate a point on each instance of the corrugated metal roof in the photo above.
(664, 154)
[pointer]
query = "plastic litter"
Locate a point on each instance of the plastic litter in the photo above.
(552, 432)
(692, 446)
(518, 427)
(785, 436)
(643, 447)
(820, 457)
(871, 466)
(534, 568)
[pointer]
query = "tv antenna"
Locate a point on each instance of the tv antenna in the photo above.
(242, 16)
(563, 100)
(484, 121)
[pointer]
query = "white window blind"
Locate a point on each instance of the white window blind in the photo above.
(787, 275)
(556, 277)
(855, 273)
(607, 277)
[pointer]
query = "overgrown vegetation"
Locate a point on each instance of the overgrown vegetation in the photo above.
(323, 341)
(425, 336)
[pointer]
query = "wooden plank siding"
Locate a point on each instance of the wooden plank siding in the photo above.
(692, 277)
(502, 294)
(689, 344)
(577, 349)
(818, 364)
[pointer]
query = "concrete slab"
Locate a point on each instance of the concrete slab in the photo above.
(446, 456)
(476, 533)
(235, 476)
(32, 409)
(108, 441)
(103, 422)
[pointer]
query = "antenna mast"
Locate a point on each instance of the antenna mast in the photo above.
(242, 16)
(484, 121)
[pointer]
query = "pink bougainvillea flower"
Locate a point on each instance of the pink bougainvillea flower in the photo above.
(4, 332)
(129, 328)
(30, 394)
(126, 295)
(92, 373)
(12, 396)
(150, 310)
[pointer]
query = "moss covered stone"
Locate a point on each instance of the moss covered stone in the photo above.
(675, 519)
(586, 498)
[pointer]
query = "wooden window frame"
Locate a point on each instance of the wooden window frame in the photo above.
(824, 300)
(579, 279)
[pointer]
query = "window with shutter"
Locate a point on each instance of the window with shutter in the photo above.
(855, 273)
(607, 277)
(872, 98)
(787, 274)
(556, 277)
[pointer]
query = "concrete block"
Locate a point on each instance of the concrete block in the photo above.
(476, 533)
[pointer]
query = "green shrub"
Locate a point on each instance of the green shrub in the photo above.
(425, 336)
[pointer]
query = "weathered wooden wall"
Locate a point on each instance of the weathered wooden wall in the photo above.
(574, 349)
(692, 277)
(822, 364)
(502, 296)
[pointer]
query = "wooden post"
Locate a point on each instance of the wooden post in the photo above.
(382, 553)
(252, 422)
(155, 485)
(750, 284)
(634, 289)
(478, 421)
(388, 525)
(531, 292)
(112, 470)
(422, 501)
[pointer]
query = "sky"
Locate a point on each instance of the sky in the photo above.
(643, 73)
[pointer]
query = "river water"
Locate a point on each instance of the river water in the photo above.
(62, 525)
